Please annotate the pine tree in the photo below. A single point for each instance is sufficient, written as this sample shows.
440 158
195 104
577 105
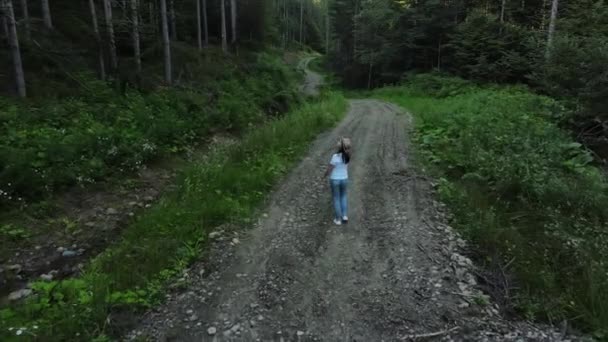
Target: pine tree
13 39
166 42
95 25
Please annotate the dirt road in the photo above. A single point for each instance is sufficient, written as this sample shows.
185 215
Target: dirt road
394 272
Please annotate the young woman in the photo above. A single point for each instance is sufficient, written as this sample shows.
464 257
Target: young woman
338 179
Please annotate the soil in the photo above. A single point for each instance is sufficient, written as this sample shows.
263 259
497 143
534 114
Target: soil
397 271
84 222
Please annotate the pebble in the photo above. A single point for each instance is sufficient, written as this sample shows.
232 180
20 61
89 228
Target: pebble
212 331
300 333
68 253
46 277
111 211
16 268
19 294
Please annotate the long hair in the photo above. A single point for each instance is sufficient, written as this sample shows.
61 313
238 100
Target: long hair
344 148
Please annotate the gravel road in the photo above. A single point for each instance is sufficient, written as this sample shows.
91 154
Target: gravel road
395 272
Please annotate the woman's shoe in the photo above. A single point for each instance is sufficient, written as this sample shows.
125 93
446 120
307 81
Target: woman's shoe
345 219
337 222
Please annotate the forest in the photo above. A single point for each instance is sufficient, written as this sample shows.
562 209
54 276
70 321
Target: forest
510 100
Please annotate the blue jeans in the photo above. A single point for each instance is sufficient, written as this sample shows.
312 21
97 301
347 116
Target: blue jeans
338 190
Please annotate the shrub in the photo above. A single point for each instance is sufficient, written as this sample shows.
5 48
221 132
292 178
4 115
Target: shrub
522 190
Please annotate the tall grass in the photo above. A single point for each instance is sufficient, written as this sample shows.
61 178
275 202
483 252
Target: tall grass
227 187
521 189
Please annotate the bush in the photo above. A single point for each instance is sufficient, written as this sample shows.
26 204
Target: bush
522 190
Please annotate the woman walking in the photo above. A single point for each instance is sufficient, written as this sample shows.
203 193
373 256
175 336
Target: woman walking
338 179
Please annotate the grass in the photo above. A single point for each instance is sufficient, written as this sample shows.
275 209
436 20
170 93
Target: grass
521 189
228 187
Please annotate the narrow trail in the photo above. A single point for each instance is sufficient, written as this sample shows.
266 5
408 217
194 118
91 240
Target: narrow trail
394 272
312 80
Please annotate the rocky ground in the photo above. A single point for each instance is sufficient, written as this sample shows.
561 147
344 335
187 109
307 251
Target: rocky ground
396 272
82 223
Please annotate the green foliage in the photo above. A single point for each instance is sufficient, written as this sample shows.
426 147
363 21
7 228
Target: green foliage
484 49
521 189
577 72
161 243
53 144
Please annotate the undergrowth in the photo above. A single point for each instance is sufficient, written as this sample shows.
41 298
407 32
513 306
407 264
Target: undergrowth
50 144
521 189
227 187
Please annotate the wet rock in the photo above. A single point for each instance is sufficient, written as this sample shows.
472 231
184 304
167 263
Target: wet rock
19 294
68 253
16 268
47 277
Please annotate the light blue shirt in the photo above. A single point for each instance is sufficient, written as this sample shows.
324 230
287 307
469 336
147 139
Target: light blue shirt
340 171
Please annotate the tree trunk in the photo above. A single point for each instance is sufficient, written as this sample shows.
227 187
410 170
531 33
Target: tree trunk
285 24
502 11
233 19
223 14
4 22
301 20
46 14
439 55
13 42
102 66
543 22
107 7
26 19
369 76
166 41
136 47
199 33
151 15
173 20
206 28
327 28
551 28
